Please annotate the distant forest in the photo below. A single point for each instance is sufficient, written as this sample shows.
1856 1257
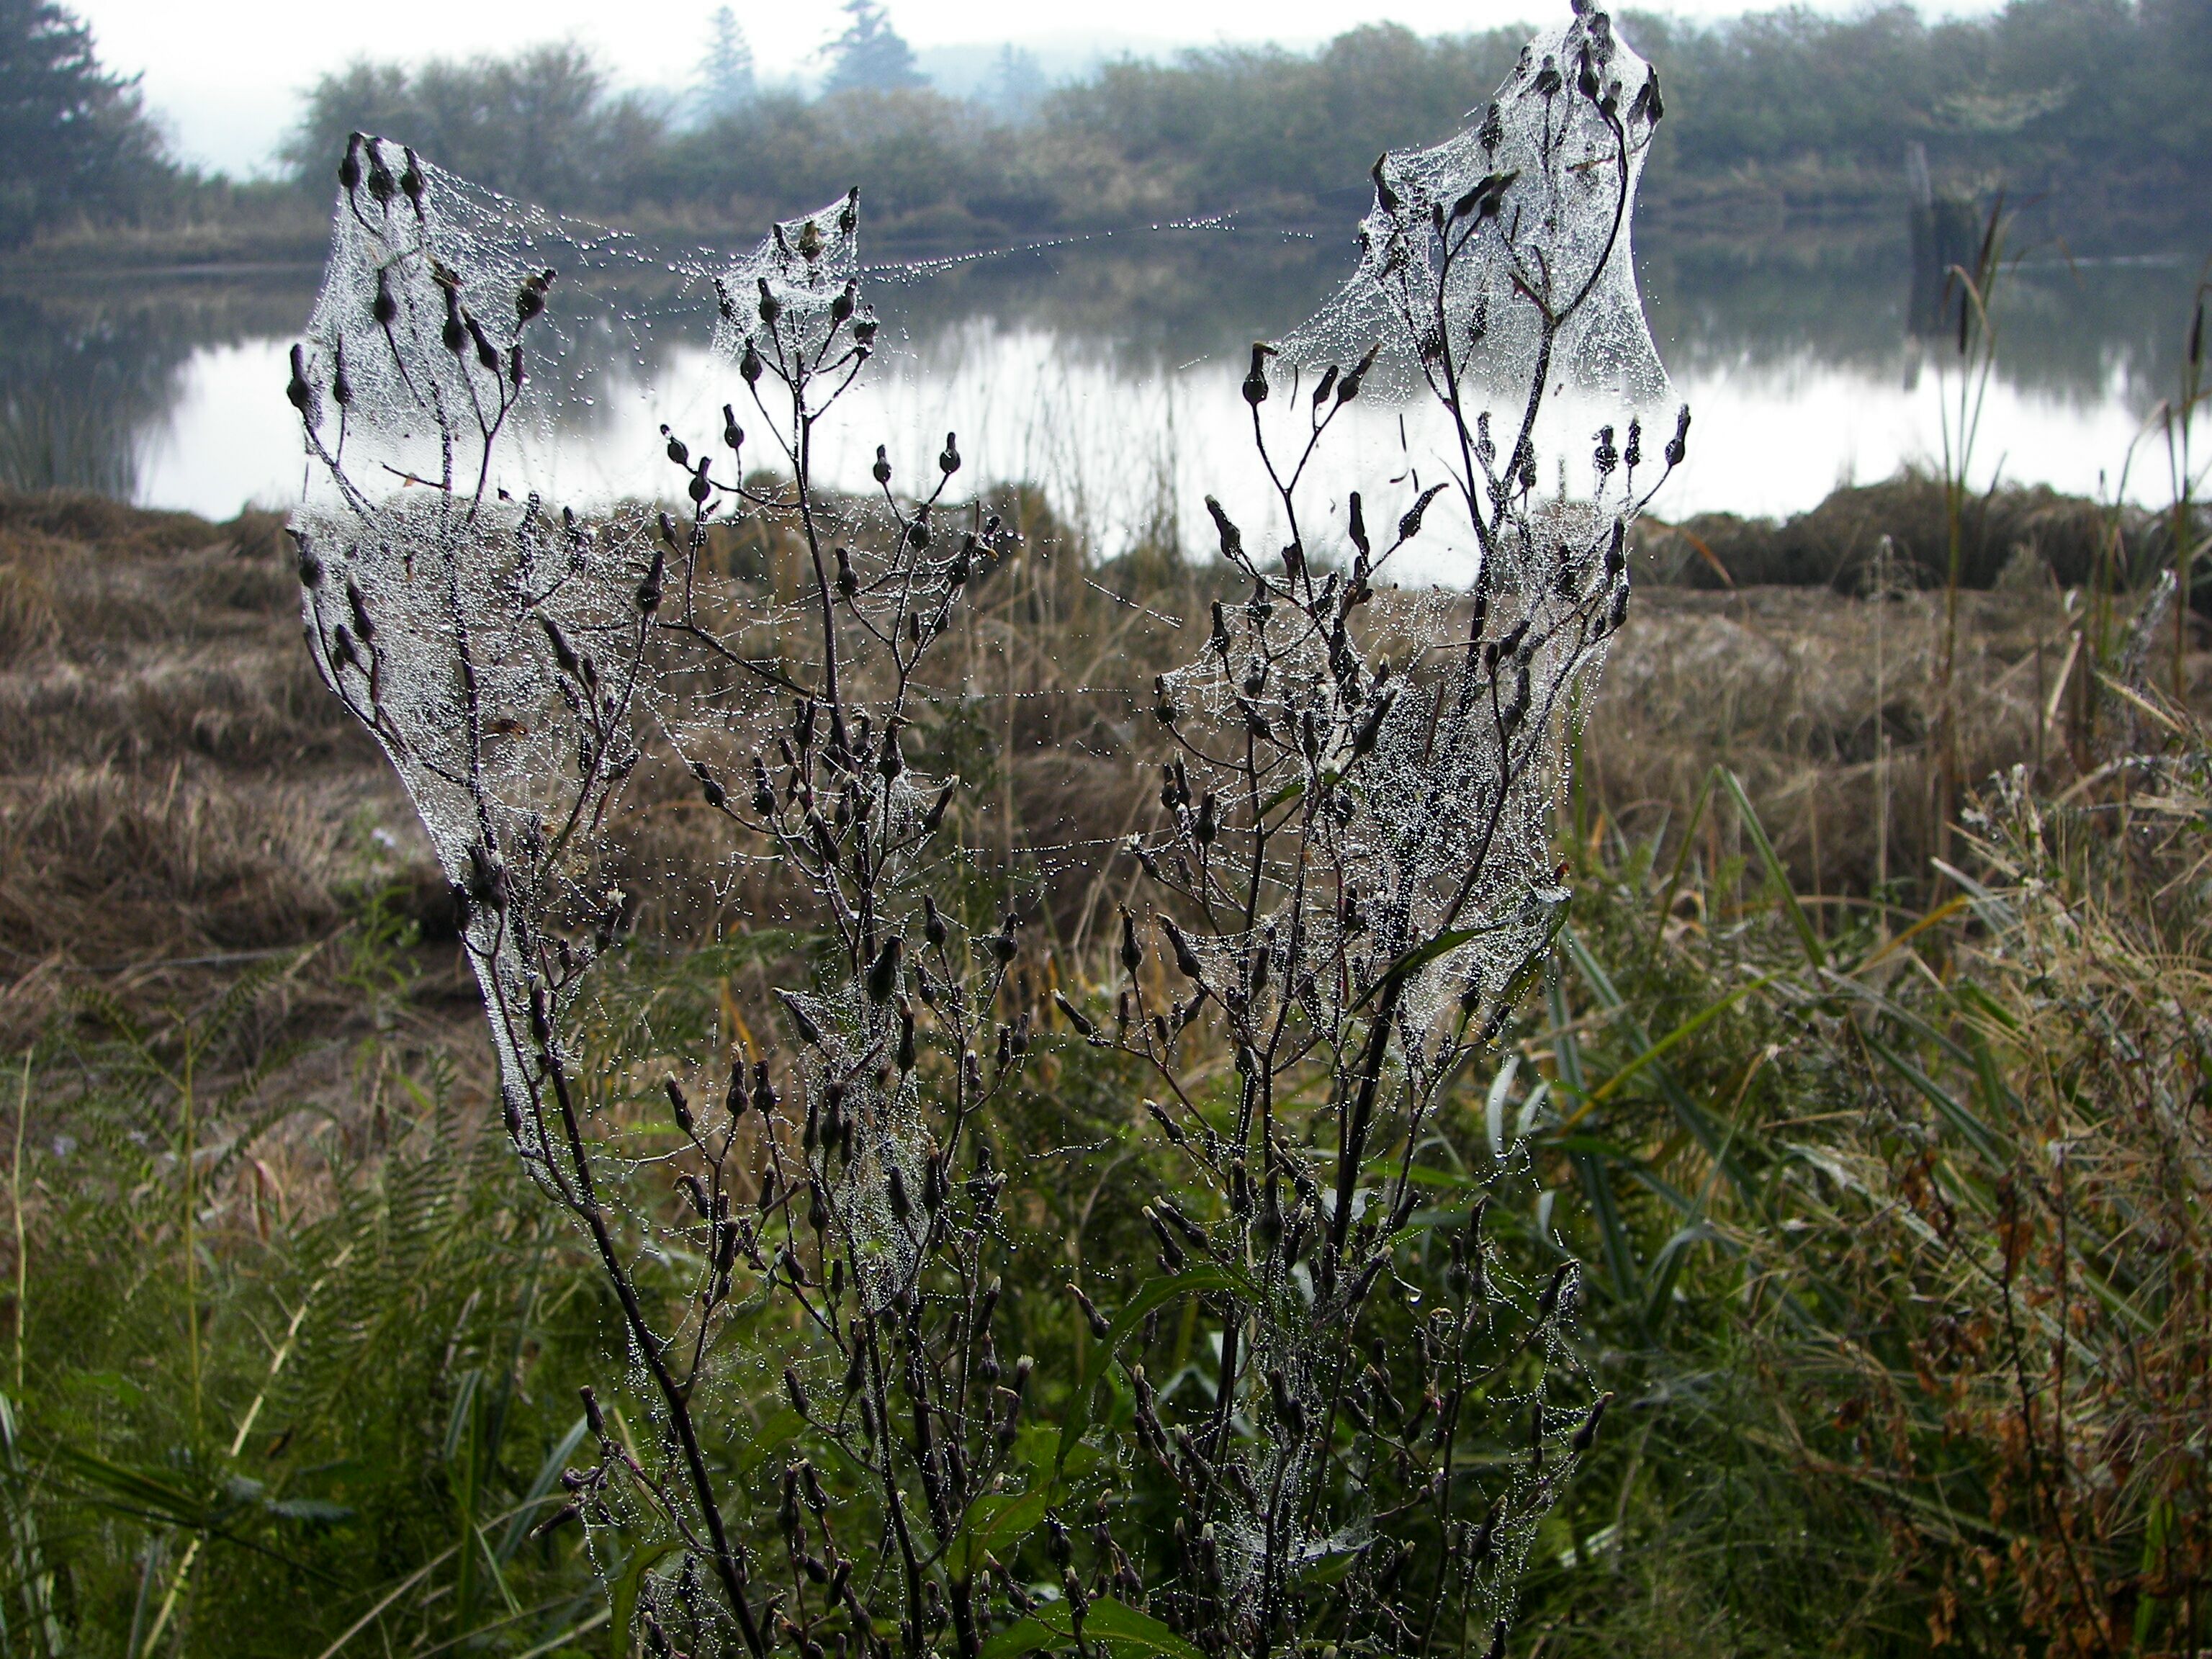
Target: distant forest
2093 116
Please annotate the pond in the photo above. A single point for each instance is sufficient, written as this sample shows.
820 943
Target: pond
1105 371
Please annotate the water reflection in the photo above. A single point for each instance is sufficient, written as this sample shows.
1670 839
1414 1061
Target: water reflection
77 392
2079 329
1106 369
90 376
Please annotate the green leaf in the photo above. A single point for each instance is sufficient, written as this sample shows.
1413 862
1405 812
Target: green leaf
1692 1116
626 1589
1115 1623
1421 956
1651 1052
1977 1133
777 1430
139 1491
309 1509
1208 1276
1776 871
1422 1176
549 1472
1666 1267
1613 1229
995 1522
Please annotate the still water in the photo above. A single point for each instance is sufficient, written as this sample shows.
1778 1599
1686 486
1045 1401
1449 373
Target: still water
1107 372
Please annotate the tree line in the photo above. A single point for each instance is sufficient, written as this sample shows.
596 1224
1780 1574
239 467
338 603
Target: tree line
2088 114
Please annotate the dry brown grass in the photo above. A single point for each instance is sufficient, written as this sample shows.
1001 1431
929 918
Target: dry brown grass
175 785
177 791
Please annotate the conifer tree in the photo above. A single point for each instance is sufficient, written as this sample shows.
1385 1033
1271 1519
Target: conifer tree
870 54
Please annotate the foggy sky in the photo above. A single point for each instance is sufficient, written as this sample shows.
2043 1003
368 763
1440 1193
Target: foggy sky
226 76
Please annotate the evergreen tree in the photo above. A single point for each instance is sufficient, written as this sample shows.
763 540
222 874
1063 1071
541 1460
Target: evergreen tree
75 138
1017 83
871 53
725 78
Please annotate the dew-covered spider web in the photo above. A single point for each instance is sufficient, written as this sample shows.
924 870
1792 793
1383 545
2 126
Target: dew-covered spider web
707 671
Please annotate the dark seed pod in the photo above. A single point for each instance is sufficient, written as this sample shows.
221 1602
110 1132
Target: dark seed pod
809 1032
895 1184
1548 1303
884 973
300 391
1091 1316
1075 1016
1233 539
1410 525
1255 378
382 185
935 816
697 1194
1186 962
1172 1257
1585 1436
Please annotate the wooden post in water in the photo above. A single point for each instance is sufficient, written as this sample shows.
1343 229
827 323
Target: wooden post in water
1945 229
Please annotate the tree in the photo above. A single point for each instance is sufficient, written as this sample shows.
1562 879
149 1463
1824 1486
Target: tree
1017 83
870 54
725 78
543 124
76 139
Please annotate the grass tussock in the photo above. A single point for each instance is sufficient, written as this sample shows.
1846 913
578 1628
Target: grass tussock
1897 533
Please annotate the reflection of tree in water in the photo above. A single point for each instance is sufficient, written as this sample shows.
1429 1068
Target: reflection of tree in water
87 378
1147 301
2080 331
1143 300
76 393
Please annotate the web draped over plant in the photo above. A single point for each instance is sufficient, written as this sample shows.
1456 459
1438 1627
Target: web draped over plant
1355 860
1350 893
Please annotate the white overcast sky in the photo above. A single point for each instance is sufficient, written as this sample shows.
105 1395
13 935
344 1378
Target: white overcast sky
226 76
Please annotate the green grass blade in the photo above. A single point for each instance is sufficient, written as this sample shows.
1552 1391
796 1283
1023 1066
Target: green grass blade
1776 871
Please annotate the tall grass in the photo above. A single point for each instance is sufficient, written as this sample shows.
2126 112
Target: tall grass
278 1367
